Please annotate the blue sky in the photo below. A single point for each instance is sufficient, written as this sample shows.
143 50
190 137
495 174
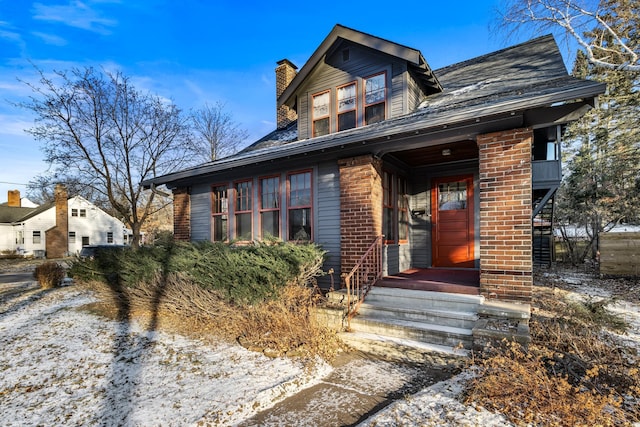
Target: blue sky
205 51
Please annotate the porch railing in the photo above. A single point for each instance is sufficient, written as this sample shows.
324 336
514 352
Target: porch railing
362 278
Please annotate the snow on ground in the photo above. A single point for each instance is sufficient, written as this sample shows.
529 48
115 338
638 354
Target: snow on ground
437 405
60 365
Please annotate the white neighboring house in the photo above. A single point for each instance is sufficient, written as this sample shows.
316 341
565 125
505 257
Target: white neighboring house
23 229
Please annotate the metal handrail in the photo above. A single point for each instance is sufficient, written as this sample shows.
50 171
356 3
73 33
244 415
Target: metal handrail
362 278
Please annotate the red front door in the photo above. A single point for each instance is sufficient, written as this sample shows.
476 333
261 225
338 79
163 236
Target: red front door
452 221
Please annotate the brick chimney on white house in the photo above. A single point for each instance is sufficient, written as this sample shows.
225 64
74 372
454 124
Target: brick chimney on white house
57 237
13 199
285 72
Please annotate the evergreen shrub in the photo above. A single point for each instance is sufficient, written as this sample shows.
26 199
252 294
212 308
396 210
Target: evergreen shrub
243 274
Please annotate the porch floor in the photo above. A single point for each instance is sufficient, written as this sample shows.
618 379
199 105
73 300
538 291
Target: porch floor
456 281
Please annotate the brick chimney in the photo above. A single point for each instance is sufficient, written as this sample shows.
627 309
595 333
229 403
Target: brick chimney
57 236
285 72
13 199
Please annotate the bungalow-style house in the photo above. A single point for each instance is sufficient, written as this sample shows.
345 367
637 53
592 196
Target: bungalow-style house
444 169
56 229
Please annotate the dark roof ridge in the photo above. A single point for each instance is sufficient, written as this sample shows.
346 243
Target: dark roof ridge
494 53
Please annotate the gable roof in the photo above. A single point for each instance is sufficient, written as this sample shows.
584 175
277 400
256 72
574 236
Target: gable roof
503 84
13 214
339 33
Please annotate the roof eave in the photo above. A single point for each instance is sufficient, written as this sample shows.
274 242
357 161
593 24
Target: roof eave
413 56
387 129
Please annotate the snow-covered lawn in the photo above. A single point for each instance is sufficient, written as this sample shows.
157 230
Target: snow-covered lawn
62 366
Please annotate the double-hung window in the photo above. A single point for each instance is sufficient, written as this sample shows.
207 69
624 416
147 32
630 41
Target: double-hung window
109 236
243 210
346 106
83 213
321 111
220 213
72 237
74 212
270 207
299 206
37 239
375 96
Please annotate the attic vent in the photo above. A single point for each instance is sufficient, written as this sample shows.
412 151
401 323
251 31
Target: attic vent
345 55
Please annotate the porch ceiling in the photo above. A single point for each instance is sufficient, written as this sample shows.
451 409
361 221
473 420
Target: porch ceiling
458 151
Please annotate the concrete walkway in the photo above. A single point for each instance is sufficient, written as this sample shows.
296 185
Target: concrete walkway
358 387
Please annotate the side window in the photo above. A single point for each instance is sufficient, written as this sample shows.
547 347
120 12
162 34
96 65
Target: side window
299 206
72 237
270 207
320 112
403 210
387 208
109 236
37 239
346 106
243 210
219 213
375 96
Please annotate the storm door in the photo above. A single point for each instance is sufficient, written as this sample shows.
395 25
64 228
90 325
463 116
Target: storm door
452 222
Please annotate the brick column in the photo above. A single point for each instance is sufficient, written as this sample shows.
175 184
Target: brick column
181 214
506 264
360 207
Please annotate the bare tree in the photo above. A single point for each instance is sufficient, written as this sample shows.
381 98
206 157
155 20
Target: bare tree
616 21
100 132
217 134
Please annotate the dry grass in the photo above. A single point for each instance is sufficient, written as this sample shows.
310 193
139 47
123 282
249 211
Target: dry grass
49 275
280 327
573 373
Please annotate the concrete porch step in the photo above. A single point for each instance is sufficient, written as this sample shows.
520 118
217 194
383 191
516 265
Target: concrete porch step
442 335
421 300
402 349
458 319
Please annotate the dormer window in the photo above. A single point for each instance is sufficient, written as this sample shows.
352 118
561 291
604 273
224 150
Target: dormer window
375 96
321 116
346 106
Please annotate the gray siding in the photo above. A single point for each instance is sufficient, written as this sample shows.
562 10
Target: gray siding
328 217
420 231
395 258
201 212
333 72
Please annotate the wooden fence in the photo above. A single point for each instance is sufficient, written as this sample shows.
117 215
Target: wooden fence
620 254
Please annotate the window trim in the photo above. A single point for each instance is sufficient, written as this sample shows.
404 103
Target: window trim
400 194
236 211
278 209
216 214
310 206
364 96
389 193
355 107
314 119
